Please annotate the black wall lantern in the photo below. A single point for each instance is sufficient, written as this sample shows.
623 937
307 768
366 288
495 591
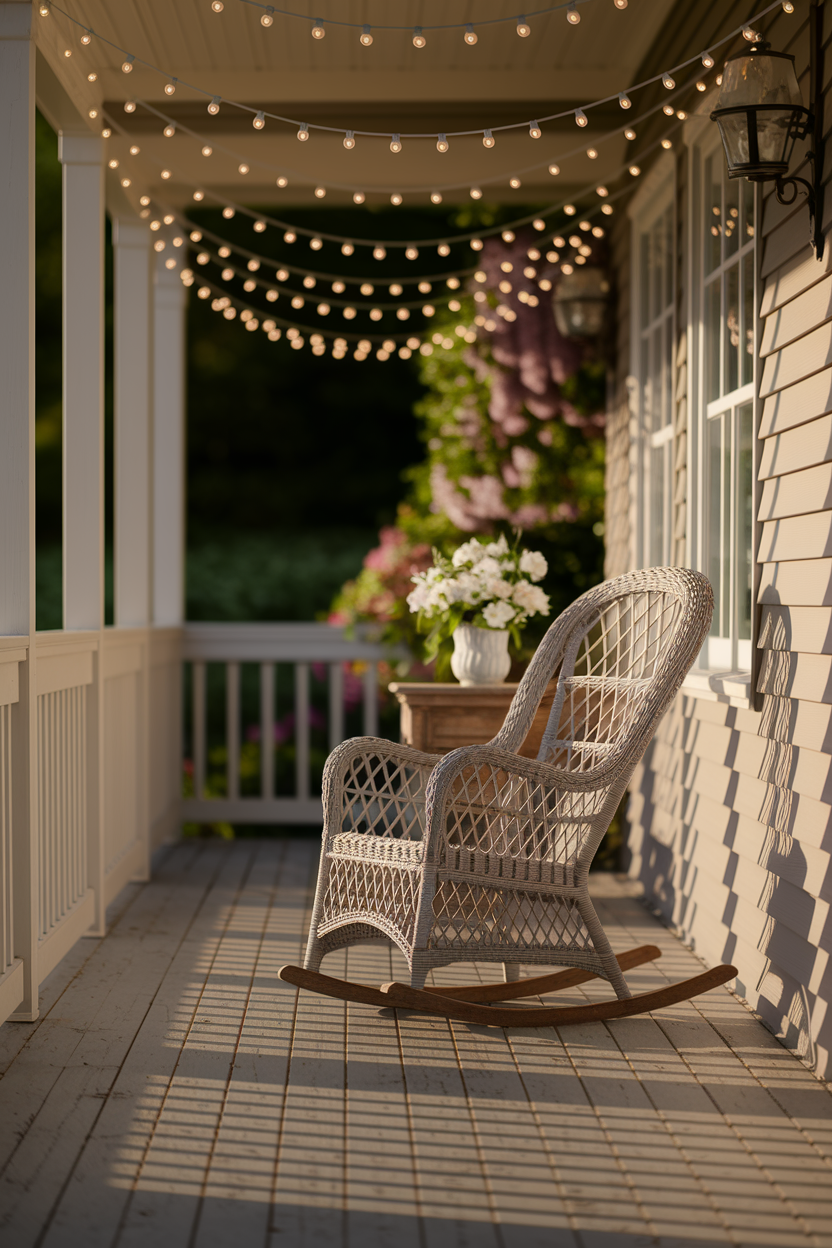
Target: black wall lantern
761 115
580 303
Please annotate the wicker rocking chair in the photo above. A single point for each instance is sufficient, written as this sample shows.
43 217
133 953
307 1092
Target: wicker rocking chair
483 855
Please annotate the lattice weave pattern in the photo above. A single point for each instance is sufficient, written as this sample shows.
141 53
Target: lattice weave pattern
484 854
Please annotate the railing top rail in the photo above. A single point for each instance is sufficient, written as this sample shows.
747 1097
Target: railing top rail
279 643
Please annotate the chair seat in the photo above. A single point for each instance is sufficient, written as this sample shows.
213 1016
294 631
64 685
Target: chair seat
364 847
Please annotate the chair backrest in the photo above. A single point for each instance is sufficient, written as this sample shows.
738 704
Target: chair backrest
621 652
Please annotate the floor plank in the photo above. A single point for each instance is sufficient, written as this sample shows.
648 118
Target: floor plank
176 1094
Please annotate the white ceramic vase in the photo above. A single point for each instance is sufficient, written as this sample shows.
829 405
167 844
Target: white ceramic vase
480 655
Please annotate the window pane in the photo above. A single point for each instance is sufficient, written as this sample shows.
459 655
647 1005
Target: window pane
747 340
657 506
713 212
712 337
747 211
732 216
732 329
718 541
745 468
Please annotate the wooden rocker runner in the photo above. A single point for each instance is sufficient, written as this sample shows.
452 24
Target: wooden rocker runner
484 855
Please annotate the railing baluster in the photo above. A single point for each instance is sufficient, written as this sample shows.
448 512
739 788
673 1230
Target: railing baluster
302 730
336 704
371 700
198 716
267 730
232 727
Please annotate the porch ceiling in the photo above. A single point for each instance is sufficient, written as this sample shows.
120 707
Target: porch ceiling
388 87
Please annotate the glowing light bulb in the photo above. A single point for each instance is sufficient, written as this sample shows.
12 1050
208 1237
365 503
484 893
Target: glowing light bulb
523 28
358 197
515 184
508 236
86 38
379 253
629 133
349 140
113 164
282 182
93 113
395 143
470 35
476 244
707 60
681 114
243 168
365 38
475 192
316 243
607 210
320 192
435 197
412 253
135 149
620 4
43 8
701 86
570 210
144 201
395 199
443 249
125 182
788 7
290 237
592 153
668 82
624 100
214 106
572 15
635 170
217 6
169 131
207 150
347 249
127 66
199 196
581 118
539 224
749 34
666 144
129 106
668 110
106 132
303 132
259 121
395 289
534 130
318 31
170 87
267 19
419 39
442 144
92 77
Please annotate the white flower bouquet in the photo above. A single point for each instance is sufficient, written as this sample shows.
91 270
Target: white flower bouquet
489 585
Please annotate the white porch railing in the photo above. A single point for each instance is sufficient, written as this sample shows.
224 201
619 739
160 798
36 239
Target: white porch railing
310 650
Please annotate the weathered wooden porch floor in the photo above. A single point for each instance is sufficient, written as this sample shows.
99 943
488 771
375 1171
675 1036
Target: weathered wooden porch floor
175 1094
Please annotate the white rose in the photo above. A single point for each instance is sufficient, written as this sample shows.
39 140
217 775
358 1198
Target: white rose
531 598
495 587
468 552
498 614
417 598
533 564
500 547
488 566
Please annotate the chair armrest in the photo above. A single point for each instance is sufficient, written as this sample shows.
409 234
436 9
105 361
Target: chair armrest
343 770
472 806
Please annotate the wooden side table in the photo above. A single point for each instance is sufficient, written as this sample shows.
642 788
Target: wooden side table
437 717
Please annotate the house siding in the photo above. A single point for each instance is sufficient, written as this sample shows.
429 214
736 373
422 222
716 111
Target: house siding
729 814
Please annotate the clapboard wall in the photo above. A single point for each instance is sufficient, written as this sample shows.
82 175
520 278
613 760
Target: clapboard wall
729 815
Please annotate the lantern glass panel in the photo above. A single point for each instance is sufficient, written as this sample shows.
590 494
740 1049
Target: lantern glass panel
759 78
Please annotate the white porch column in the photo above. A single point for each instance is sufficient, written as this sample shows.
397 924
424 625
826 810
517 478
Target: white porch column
82 156
19 986
133 382
168 447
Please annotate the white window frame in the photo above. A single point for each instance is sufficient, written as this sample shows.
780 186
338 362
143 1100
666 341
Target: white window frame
724 668
655 196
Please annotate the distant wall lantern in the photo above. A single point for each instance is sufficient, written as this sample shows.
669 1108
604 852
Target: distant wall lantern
580 303
760 114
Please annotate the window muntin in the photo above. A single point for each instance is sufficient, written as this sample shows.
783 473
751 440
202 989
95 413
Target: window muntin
655 322
727 435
